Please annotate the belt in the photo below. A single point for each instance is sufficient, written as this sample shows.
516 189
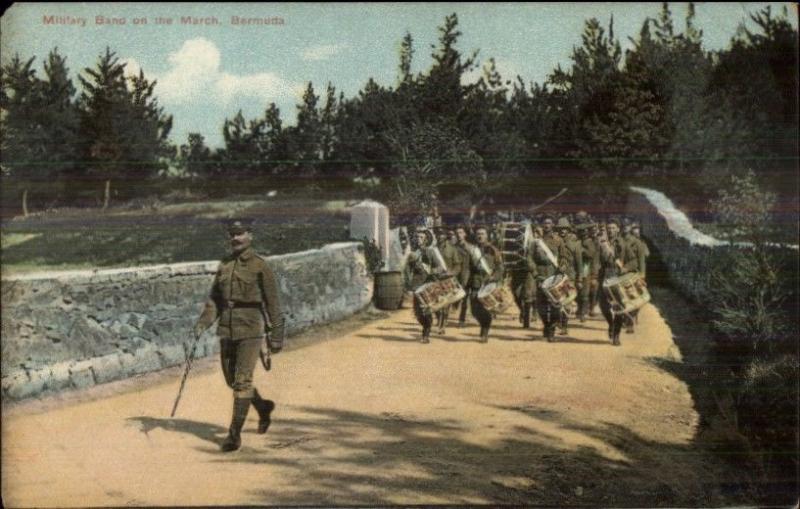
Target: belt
230 304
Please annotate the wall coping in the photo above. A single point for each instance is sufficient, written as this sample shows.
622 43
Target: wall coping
681 226
183 268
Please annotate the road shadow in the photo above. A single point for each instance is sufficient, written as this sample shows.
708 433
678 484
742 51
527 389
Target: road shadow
380 459
202 430
410 338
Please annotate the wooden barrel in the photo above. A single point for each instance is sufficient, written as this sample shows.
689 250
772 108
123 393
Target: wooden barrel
389 290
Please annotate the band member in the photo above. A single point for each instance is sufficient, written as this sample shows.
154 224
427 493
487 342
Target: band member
548 262
244 297
464 246
613 251
454 263
589 270
422 267
523 286
635 263
485 268
594 280
572 263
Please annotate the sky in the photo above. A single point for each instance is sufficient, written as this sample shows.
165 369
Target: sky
208 71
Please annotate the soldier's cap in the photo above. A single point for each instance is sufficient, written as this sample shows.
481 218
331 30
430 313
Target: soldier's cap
635 225
547 216
239 226
563 223
613 220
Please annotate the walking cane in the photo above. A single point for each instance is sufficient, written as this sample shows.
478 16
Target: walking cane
189 360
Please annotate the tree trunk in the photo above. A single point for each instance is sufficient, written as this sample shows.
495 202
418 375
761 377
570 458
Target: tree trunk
25 203
107 194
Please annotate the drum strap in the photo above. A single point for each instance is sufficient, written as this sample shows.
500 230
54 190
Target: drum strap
549 254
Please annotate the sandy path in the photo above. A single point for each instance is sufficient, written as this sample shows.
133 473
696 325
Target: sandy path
375 417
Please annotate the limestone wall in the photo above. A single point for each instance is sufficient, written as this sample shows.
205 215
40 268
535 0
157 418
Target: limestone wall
687 253
74 329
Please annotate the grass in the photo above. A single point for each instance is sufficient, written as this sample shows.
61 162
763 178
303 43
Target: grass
174 233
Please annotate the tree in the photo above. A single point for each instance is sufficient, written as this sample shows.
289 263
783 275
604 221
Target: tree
195 156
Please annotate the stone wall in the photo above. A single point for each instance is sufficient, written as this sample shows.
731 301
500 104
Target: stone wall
74 329
688 254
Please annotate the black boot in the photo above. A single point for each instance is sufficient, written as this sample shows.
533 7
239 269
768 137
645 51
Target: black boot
426 336
484 334
526 318
264 407
615 340
234 439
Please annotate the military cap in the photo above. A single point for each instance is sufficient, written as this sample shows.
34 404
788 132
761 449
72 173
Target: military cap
546 216
238 226
563 223
613 220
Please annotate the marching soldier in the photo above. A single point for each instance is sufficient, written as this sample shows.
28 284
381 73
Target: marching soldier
635 263
244 297
421 268
523 285
589 270
594 234
464 247
613 253
491 259
572 262
454 263
548 263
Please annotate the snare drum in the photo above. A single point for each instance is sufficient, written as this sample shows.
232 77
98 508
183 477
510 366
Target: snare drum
626 293
495 298
559 289
515 240
436 295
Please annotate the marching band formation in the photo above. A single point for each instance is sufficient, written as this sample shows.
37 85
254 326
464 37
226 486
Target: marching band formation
561 269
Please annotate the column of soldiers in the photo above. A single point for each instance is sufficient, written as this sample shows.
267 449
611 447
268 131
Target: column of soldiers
244 294
574 248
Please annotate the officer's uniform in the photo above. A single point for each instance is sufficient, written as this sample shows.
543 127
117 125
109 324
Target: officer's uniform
478 279
244 297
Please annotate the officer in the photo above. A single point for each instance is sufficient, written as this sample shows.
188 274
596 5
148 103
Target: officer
491 260
244 297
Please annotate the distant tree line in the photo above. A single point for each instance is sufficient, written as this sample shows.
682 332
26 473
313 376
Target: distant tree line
665 109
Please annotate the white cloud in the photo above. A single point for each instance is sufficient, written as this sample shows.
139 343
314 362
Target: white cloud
132 67
322 52
195 74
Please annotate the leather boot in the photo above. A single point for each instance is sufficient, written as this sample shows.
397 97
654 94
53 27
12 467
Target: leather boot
615 340
234 439
426 336
526 318
484 334
264 407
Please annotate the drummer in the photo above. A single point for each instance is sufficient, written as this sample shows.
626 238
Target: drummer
422 267
547 266
613 253
455 267
492 261
463 246
572 262
523 286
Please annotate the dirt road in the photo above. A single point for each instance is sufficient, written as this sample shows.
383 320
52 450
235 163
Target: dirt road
375 417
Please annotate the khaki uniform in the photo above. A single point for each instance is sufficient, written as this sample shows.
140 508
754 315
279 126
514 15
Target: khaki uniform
610 268
549 314
244 297
478 279
523 285
416 276
590 270
464 278
455 266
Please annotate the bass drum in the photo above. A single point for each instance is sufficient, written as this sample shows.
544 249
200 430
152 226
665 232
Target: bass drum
515 241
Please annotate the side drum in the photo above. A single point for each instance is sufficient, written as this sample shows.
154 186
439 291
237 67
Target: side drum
495 298
560 290
436 295
388 294
627 292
